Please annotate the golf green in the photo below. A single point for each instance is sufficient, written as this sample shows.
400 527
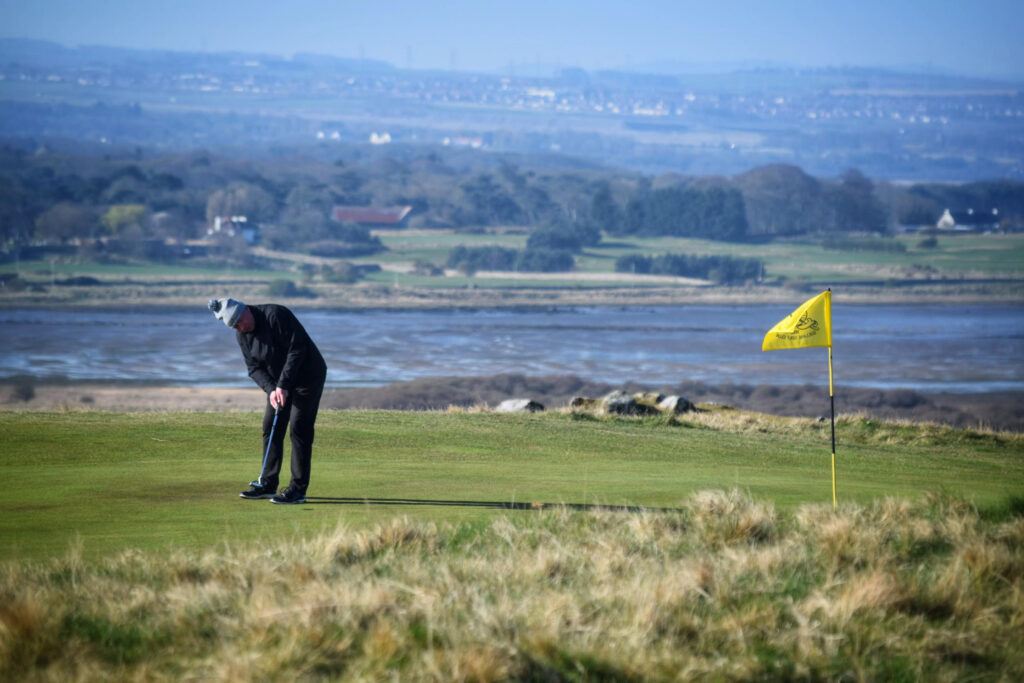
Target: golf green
161 481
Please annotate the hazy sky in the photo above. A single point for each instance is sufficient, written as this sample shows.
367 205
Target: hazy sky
976 37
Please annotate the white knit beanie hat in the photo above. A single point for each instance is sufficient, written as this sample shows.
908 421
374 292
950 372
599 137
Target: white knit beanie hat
228 310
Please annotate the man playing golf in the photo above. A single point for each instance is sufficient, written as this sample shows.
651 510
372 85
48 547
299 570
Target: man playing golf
286 364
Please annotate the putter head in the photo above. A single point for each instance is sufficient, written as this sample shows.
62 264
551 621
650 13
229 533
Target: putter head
255 483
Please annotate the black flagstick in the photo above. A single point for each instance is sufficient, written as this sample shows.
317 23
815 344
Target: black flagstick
832 399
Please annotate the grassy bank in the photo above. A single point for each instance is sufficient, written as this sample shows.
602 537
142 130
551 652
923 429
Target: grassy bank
999 411
726 588
165 481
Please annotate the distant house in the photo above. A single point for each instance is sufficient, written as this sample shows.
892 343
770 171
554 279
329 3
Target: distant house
946 222
372 216
235 225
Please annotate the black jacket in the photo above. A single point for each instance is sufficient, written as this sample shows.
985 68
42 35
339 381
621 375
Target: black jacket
279 353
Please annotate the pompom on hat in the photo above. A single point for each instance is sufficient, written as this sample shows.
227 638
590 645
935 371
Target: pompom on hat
228 310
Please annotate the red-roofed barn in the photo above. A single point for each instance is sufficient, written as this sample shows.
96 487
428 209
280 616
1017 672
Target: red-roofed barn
371 216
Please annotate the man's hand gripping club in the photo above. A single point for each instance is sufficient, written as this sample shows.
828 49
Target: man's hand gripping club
277 398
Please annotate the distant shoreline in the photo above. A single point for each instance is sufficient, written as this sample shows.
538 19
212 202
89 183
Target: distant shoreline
386 297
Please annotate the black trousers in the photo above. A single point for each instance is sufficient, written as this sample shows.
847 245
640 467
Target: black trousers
297 417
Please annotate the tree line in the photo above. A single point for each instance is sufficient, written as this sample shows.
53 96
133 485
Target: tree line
718 269
55 198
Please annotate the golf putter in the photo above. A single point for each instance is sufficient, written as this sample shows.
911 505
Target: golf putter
270 441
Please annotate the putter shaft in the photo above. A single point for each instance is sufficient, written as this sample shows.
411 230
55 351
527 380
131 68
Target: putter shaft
270 441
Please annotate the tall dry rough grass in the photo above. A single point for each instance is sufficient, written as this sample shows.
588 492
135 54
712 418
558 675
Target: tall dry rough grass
726 588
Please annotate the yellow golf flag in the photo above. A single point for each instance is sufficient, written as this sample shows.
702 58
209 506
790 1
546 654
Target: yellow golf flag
809 325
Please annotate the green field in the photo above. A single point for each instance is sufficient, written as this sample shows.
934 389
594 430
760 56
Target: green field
433 246
42 271
960 267
995 255
165 481
979 255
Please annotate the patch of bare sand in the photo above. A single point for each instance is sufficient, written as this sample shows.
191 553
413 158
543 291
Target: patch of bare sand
378 295
585 277
84 397
628 278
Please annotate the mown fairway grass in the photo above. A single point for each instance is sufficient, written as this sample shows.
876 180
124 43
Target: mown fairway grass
168 481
